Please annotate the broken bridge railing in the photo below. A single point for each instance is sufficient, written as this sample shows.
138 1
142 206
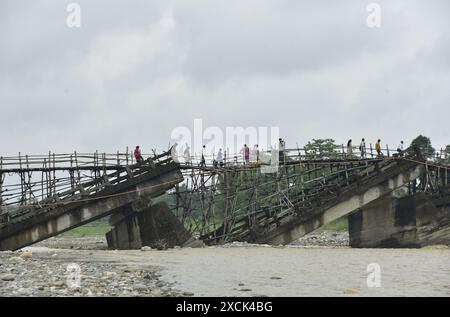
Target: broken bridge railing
38 183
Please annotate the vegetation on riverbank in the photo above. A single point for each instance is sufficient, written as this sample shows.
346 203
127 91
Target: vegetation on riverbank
95 228
101 227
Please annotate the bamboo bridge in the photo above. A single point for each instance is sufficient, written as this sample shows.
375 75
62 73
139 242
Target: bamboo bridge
44 195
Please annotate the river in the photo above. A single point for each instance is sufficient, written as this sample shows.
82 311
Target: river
246 270
295 271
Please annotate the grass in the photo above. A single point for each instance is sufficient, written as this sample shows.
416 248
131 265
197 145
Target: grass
95 228
338 225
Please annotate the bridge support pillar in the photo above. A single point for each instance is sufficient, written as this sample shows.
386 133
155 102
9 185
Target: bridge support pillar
152 225
125 234
390 222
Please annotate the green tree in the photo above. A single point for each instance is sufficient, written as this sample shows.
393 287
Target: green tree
320 148
424 144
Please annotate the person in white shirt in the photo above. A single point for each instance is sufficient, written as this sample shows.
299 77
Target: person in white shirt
203 161
400 148
187 154
362 148
349 147
219 158
174 153
256 153
282 148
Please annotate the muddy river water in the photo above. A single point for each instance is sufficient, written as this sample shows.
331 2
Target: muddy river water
290 271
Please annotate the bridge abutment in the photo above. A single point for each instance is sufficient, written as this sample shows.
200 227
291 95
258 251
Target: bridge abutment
390 222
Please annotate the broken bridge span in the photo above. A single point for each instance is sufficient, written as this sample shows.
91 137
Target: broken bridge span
42 196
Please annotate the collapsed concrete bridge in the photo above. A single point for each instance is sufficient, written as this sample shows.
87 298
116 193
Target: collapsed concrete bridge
84 200
305 193
236 201
347 187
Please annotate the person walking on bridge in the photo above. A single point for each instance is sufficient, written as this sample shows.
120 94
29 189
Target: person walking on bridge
187 155
246 152
174 153
137 154
282 148
362 148
256 153
378 148
203 160
400 149
349 148
219 158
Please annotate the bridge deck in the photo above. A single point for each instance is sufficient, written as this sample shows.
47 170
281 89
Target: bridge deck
309 201
87 201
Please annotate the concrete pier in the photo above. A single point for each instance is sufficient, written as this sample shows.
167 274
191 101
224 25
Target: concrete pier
154 226
412 221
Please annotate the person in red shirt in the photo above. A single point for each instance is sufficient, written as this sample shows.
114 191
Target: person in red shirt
137 154
246 151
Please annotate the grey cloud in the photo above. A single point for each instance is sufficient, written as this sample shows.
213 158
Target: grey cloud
133 72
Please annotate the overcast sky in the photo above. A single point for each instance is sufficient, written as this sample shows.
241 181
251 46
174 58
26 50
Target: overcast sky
135 70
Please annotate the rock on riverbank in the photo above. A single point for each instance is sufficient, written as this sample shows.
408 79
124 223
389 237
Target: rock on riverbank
46 274
324 239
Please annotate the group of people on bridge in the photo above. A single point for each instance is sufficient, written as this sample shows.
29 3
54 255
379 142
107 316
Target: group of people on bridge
363 148
253 156
249 156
